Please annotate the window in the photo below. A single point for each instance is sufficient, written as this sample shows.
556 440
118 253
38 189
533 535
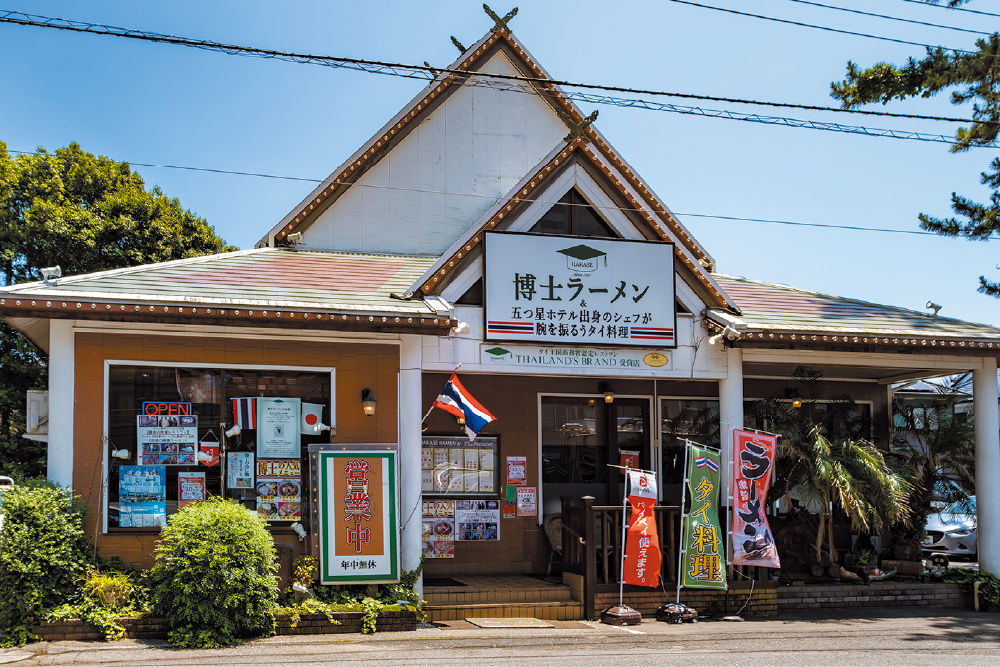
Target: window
683 419
574 440
573 216
146 487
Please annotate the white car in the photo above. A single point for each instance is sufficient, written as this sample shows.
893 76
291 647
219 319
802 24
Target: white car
953 531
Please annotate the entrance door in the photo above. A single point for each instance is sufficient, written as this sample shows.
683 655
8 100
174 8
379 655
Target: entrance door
580 436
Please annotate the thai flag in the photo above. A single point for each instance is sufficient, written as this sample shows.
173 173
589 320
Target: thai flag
653 333
705 462
457 400
245 412
510 327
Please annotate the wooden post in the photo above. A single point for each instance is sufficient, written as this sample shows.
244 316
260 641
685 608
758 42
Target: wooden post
590 558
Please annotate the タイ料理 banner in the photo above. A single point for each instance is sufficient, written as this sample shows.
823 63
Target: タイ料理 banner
702 564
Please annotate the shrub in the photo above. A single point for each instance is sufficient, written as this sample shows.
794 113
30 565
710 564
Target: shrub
214 575
43 554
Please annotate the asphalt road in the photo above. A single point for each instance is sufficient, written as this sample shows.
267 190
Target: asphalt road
887 638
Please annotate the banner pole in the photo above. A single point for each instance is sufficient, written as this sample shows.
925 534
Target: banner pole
683 550
621 570
730 544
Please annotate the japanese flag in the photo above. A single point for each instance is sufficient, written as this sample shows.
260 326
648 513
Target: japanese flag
312 414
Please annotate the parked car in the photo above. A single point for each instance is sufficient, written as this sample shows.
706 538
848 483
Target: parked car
952 531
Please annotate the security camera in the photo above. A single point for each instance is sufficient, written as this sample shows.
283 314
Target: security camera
460 329
51 272
294 237
234 431
933 306
729 333
120 454
203 457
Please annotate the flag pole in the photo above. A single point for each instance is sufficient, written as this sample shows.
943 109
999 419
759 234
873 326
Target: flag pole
683 549
621 569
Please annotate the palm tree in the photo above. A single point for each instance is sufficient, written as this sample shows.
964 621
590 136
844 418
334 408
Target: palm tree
851 474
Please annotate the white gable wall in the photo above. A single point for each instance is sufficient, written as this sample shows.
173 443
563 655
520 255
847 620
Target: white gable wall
478 142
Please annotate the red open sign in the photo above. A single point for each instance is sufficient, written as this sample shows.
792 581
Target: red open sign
170 408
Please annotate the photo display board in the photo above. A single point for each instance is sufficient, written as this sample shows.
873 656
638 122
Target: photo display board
358 515
568 290
453 466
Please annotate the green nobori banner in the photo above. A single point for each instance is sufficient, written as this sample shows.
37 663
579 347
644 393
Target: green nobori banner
702 559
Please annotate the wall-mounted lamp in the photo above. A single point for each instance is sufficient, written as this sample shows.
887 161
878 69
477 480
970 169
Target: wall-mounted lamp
51 273
609 396
120 454
368 401
460 329
300 531
424 427
319 427
729 333
234 431
933 306
794 395
460 420
203 457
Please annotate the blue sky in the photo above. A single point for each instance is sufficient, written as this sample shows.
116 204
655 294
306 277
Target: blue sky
163 104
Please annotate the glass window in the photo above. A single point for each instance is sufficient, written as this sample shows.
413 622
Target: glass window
574 440
686 419
146 487
574 216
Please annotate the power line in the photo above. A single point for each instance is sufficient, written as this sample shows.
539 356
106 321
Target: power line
327 181
525 85
891 18
425 72
954 9
821 27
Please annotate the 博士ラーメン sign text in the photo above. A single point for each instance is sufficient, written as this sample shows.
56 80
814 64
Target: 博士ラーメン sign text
559 289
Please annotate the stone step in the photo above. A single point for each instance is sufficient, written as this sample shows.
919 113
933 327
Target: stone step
547 611
453 595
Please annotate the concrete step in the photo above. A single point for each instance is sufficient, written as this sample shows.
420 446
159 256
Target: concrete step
544 610
453 595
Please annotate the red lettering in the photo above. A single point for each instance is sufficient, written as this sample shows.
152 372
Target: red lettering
157 409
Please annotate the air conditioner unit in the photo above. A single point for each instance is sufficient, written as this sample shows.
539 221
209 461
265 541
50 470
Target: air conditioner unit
38 412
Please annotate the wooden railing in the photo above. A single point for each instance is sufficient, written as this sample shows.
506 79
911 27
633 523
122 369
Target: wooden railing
592 545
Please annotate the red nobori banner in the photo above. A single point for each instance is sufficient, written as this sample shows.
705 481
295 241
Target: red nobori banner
753 459
642 548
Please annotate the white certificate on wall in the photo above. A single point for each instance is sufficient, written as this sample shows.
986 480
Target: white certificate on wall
278 428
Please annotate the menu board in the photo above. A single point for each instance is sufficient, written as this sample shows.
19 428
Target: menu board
438 535
167 440
239 470
142 496
454 466
477 520
279 489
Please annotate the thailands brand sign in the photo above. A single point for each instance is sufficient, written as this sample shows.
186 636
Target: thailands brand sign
577 291
753 460
642 547
594 360
359 527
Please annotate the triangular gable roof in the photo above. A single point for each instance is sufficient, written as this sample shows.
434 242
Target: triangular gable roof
533 182
379 145
779 314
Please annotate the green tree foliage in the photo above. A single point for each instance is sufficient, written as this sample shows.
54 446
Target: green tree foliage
972 76
43 554
85 213
214 575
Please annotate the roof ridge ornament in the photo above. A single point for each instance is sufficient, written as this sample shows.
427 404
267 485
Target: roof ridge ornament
458 44
576 130
501 23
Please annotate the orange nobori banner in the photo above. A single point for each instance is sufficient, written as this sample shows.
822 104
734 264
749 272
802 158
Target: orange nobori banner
753 461
359 528
642 547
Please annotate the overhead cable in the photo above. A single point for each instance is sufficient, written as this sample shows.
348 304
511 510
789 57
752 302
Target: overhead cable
954 9
527 200
890 18
822 27
429 73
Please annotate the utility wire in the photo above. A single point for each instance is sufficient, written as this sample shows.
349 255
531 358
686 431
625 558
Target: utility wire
822 27
954 9
426 72
527 85
328 181
891 18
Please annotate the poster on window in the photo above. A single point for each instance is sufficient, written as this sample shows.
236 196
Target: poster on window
455 466
239 470
438 534
278 427
170 440
527 501
753 459
359 526
190 488
279 489
572 291
477 520
142 495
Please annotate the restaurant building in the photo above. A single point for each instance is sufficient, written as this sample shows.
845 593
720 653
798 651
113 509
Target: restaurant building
488 226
